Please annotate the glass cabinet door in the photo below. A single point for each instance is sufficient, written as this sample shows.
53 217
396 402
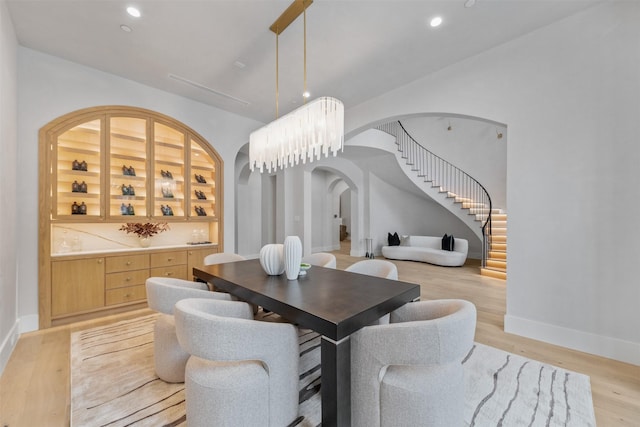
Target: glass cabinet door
168 172
77 172
203 182
127 167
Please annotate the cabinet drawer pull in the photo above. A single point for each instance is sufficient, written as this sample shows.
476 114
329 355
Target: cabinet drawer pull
128 279
169 259
127 295
128 262
100 261
169 274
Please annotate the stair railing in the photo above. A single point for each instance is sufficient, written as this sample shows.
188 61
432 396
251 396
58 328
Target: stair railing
447 177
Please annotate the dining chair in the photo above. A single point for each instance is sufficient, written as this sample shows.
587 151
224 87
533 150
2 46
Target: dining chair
321 259
378 268
375 267
162 295
244 374
222 257
409 372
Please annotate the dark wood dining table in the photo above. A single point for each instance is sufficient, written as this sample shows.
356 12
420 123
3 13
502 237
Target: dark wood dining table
334 303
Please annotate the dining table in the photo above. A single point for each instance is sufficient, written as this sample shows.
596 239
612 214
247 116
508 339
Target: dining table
334 303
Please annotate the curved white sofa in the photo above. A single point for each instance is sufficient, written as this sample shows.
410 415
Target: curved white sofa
428 249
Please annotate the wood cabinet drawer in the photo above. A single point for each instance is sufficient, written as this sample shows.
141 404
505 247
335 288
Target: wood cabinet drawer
126 278
168 258
176 271
127 263
122 295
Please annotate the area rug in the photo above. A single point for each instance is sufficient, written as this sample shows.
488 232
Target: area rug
113 384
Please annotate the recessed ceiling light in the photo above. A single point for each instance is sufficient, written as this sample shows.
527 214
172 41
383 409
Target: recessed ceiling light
469 3
133 12
125 28
436 21
306 94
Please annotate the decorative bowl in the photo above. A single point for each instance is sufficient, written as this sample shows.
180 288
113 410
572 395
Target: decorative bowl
303 268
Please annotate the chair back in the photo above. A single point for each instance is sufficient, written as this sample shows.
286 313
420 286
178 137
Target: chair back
221 258
224 331
423 348
321 259
375 267
164 292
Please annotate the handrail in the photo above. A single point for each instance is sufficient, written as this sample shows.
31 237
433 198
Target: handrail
446 177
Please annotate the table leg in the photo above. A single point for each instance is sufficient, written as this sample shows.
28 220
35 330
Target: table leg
336 382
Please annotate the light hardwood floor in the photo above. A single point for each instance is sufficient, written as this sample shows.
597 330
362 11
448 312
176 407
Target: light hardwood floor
34 388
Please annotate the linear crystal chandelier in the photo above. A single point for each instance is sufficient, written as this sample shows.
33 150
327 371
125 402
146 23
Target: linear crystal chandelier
310 131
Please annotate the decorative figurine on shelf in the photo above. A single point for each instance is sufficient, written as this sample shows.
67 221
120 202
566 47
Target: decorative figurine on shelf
83 187
123 209
200 211
130 210
79 166
82 209
75 187
125 190
200 195
200 179
166 210
75 209
166 192
132 191
128 171
166 174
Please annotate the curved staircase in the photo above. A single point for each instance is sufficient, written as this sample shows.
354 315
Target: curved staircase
448 182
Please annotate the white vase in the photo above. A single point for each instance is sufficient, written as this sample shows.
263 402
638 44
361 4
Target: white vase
145 242
272 259
292 256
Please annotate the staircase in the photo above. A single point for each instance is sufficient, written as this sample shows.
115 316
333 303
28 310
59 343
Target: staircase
468 194
496 263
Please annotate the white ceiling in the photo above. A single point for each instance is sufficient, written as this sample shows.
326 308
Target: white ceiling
356 49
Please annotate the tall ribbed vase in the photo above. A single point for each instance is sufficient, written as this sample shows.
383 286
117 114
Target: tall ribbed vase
292 256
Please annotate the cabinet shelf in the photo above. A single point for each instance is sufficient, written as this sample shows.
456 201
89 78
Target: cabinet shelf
81 174
75 150
78 195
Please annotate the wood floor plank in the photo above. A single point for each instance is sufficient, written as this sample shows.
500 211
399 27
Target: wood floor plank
34 387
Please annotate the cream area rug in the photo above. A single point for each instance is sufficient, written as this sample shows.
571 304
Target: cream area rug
113 384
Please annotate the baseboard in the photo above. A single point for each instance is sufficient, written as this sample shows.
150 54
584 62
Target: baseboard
8 345
612 348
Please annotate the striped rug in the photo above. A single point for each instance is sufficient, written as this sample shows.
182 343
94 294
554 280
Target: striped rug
113 384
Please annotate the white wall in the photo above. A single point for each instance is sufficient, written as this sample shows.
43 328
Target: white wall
570 96
49 87
9 325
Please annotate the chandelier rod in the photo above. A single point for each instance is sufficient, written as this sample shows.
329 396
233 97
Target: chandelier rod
305 95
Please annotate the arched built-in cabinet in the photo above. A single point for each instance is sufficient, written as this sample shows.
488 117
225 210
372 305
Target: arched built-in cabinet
103 167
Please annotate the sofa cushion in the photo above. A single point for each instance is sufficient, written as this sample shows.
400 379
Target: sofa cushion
393 239
448 243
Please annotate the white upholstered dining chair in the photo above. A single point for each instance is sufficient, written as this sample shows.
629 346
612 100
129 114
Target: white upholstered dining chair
378 268
321 259
375 267
244 374
409 372
162 295
222 257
